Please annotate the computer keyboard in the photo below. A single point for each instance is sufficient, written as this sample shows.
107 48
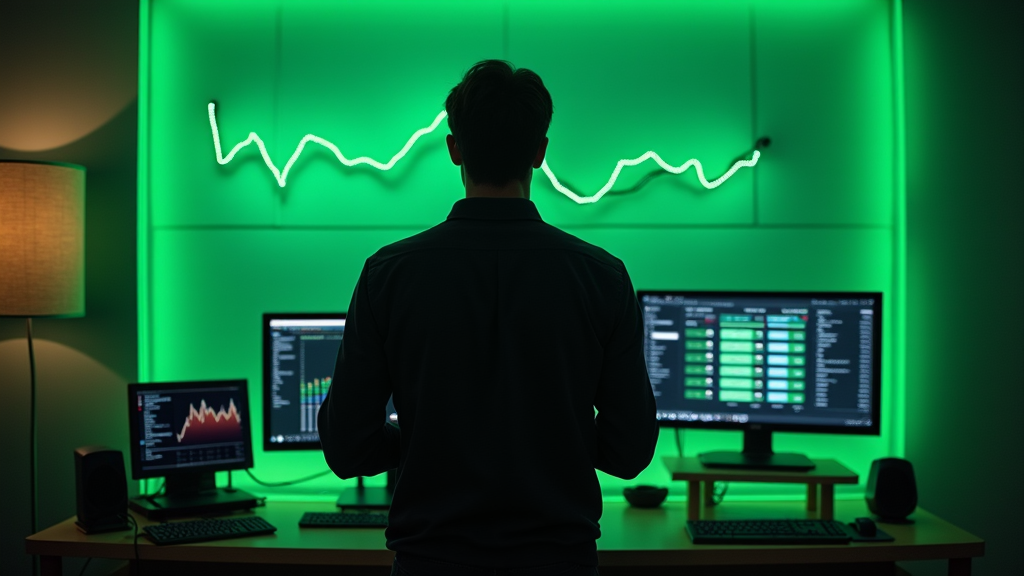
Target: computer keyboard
209 529
767 532
343 520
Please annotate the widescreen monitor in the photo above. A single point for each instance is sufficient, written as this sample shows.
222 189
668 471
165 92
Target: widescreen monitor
762 362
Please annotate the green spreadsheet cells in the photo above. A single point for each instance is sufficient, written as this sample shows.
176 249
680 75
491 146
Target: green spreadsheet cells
694 369
786 335
696 382
741 371
785 347
784 360
751 324
700 344
739 396
700 357
785 398
741 346
787 322
786 385
748 359
740 334
785 372
700 333
693 394
741 384
740 318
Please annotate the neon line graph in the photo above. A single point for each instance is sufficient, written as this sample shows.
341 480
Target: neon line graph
281 175
651 155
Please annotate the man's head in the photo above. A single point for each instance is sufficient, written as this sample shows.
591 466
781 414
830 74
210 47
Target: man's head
498 117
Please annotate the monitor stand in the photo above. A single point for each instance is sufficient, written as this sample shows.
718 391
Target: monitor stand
368 496
757 455
192 494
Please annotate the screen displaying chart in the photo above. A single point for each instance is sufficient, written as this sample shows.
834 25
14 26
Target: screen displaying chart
796 359
299 355
188 425
206 424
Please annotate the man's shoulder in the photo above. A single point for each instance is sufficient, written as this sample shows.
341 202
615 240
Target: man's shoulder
556 238
533 235
417 242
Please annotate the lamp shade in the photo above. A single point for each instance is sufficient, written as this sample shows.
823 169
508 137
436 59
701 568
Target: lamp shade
42 239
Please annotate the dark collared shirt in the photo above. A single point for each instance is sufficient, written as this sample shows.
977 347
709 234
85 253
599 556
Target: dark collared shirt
499 336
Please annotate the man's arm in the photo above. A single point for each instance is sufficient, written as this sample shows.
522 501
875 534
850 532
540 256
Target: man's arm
627 430
354 434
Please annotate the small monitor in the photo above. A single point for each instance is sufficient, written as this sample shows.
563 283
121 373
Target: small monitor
185 432
200 426
765 361
299 353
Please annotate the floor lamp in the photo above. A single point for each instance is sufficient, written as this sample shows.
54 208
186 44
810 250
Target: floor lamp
42 257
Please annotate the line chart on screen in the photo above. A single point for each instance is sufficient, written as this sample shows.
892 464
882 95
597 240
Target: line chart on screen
207 424
748 160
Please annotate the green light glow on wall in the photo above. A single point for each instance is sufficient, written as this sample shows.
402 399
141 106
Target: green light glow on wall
143 228
899 230
220 244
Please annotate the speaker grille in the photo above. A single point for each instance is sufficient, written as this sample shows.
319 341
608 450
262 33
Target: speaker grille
105 486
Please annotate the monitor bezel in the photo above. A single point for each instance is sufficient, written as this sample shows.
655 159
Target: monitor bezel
876 385
137 467
269 446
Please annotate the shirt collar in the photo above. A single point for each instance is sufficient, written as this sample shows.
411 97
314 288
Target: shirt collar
494 209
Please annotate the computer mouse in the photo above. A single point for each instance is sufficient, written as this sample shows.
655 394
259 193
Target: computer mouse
644 496
865 527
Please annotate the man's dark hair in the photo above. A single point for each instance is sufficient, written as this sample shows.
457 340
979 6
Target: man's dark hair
498 115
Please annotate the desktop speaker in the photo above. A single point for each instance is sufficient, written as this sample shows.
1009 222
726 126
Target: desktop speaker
892 491
101 490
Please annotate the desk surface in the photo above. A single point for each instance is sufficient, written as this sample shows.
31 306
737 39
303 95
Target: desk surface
630 537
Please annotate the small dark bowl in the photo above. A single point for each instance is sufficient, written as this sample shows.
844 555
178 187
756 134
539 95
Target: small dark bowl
643 496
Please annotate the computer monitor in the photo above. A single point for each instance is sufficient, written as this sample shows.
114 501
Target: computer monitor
299 354
185 432
762 362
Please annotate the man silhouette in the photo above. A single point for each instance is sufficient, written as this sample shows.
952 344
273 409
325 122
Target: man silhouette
499 337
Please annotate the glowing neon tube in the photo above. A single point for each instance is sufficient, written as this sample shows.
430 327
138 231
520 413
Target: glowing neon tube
282 175
650 155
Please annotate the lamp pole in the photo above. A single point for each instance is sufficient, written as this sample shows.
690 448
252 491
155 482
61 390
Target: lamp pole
32 428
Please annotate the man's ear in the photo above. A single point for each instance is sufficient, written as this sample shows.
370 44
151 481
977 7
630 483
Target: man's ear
453 150
541 150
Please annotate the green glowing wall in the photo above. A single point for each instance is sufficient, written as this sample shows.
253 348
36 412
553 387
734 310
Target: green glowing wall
219 245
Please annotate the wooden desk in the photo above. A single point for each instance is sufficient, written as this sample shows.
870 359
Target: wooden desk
633 541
